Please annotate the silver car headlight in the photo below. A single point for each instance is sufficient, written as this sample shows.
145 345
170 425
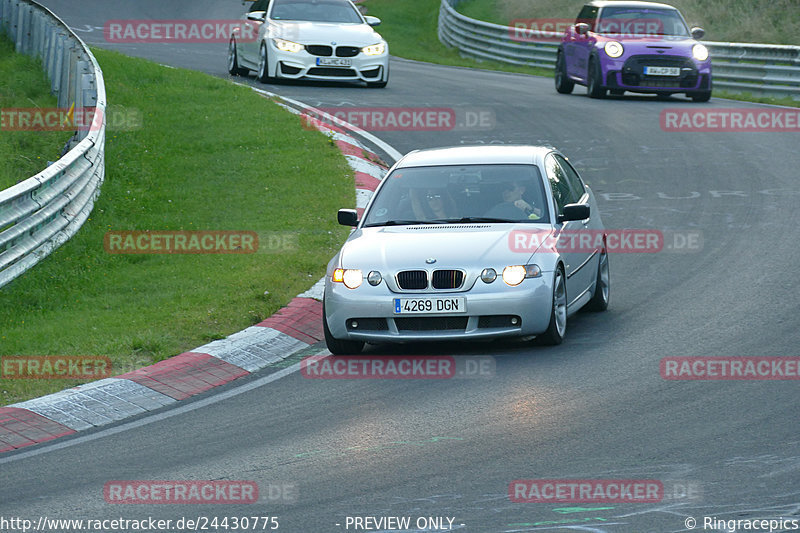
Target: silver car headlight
287 46
374 50
351 277
700 52
614 49
514 274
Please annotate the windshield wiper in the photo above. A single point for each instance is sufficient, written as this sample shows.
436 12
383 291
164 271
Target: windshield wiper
476 219
399 223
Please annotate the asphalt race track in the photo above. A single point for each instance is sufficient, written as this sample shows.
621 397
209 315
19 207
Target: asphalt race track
595 407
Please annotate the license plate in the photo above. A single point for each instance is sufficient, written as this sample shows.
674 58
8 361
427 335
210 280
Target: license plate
408 306
662 71
334 62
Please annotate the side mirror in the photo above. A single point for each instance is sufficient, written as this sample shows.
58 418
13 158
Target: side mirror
259 16
698 33
347 217
372 21
582 28
574 212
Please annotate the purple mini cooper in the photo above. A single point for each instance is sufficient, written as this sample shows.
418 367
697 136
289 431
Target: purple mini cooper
641 47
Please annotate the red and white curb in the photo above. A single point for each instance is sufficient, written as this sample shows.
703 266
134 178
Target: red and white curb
292 329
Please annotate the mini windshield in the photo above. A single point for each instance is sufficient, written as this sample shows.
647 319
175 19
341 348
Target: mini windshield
643 22
459 194
338 11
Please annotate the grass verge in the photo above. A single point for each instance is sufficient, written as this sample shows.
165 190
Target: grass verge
23 84
411 29
210 156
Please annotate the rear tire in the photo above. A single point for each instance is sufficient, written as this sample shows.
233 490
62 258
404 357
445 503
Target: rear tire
564 85
233 61
557 329
337 346
594 86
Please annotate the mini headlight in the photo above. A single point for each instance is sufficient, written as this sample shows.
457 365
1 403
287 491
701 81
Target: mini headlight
513 275
700 52
287 46
352 278
488 275
532 271
374 278
614 49
375 49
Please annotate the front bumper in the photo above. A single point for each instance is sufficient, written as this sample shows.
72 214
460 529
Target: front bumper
296 65
628 74
491 311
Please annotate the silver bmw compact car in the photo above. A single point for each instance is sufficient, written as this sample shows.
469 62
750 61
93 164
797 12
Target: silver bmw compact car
464 243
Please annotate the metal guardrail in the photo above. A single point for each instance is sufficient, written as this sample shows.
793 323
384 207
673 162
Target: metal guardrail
42 212
759 69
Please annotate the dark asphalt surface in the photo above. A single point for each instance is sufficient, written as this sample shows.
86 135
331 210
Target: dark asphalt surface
595 407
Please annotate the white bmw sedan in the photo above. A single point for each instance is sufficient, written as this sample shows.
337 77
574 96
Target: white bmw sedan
311 39
464 243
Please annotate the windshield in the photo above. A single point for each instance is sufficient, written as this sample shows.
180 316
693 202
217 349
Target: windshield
339 11
641 22
459 194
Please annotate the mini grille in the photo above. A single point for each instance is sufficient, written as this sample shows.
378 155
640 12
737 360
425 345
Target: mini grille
412 279
447 279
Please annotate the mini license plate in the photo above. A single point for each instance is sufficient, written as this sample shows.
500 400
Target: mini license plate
417 306
334 62
662 71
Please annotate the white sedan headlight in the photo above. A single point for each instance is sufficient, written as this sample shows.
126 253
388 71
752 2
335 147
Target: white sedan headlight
700 52
351 277
287 46
614 49
375 49
514 274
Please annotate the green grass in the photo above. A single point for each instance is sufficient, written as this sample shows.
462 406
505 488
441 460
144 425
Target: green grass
753 21
410 28
210 156
23 84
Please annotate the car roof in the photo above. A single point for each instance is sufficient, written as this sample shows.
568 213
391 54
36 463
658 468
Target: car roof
476 155
629 3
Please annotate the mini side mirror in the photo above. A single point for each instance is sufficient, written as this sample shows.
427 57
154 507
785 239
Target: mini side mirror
582 28
347 217
698 33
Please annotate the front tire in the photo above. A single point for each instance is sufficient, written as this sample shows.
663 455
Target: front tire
263 65
564 85
594 87
233 61
557 329
337 346
602 287
703 96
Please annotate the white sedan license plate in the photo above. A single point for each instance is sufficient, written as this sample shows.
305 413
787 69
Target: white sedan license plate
662 71
429 305
334 62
